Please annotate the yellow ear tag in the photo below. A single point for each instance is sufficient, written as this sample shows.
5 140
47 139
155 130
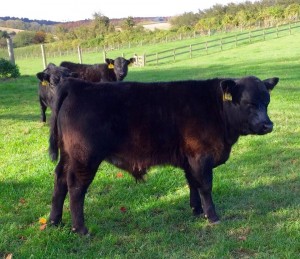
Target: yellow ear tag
227 97
111 66
44 83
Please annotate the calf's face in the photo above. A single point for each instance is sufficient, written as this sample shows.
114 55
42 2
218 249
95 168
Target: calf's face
120 66
250 98
53 74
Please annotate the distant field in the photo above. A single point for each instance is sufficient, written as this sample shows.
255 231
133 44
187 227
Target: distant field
160 26
256 192
10 29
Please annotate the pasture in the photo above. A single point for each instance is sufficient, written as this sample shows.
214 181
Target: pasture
256 192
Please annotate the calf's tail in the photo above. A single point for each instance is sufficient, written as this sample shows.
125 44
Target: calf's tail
54 138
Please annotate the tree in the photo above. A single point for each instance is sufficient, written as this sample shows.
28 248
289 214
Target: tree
100 25
24 38
40 37
292 12
4 34
128 23
206 24
61 32
187 19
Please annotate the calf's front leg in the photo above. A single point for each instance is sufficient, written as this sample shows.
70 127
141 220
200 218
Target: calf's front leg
200 178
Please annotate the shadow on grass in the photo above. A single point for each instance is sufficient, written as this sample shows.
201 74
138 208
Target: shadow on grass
20 117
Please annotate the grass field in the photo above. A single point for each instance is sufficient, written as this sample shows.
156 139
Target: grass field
256 192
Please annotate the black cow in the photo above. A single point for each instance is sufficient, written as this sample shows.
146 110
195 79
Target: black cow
49 79
112 70
134 126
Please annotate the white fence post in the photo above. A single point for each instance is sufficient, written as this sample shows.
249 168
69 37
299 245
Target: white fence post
79 54
44 56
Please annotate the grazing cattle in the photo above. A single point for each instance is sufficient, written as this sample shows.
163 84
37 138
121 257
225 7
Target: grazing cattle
135 125
49 79
112 70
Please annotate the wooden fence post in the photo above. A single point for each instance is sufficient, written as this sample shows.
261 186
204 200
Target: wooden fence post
104 56
10 51
221 44
174 54
44 56
79 54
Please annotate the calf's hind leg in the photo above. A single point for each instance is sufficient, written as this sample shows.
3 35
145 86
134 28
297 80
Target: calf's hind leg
79 179
59 193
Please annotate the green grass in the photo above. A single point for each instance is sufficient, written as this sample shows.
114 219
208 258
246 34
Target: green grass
256 192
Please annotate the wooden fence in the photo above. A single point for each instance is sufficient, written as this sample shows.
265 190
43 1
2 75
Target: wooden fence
202 47
212 46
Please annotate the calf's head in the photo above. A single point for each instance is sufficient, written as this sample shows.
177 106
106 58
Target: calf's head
246 101
120 66
53 74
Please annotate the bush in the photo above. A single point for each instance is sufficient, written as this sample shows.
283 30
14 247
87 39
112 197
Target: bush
8 70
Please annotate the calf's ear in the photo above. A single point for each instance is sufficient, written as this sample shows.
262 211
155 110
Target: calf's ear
109 61
131 60
228 87
51 65
43 76
271 82
40 76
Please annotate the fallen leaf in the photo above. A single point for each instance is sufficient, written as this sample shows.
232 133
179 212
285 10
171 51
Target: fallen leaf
123 209
23 238
242 238
42 221
43 227
22 201
120 175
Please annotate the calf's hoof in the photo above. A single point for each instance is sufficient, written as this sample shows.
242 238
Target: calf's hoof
80 230
213 220
55 222
197 212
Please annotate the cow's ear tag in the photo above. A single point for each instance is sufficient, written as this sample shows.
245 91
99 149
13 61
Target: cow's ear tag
111 66
44 83
227 97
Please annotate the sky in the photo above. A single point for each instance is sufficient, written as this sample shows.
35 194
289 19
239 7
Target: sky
74 10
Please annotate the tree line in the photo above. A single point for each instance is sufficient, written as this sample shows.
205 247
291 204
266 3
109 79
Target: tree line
102 31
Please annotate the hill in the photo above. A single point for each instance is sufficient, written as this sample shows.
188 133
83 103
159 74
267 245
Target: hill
27 20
